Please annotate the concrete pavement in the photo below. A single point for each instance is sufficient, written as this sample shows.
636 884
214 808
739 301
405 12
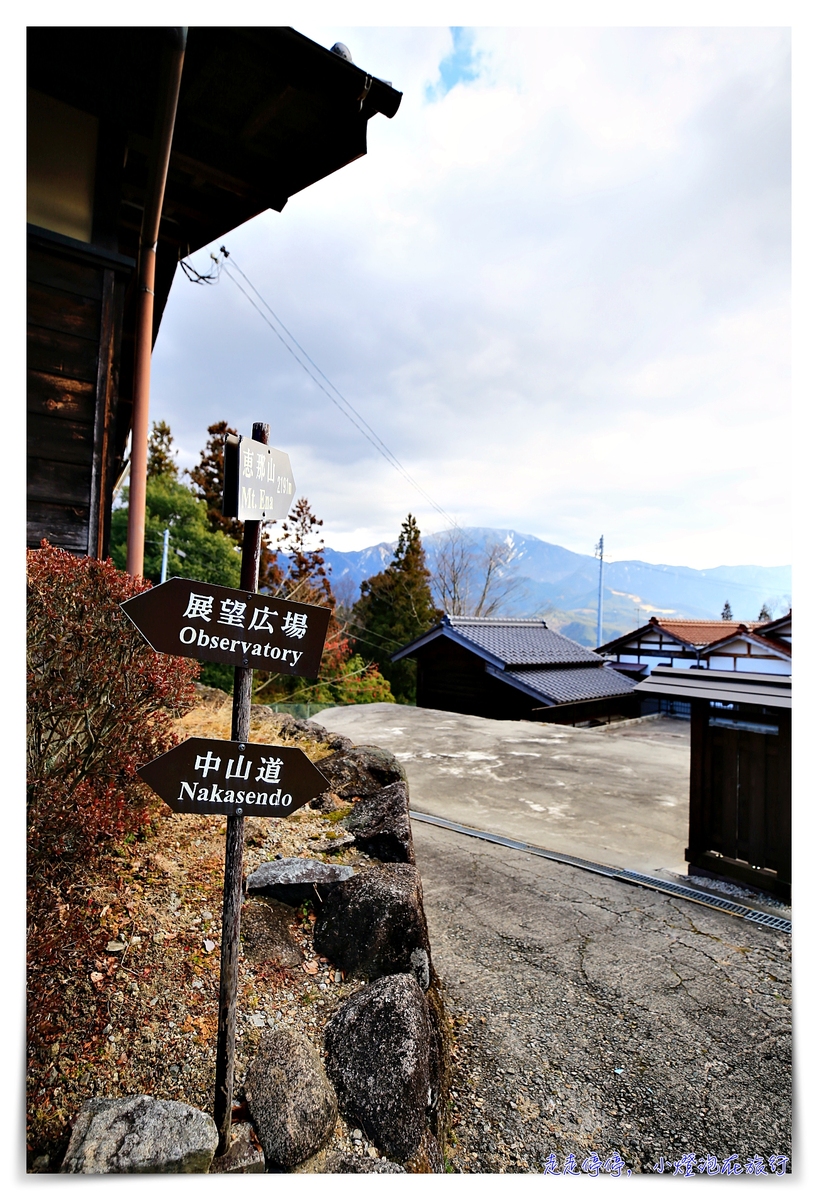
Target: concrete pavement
615 794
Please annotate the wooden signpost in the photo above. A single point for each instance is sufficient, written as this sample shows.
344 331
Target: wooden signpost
206 775
232 626
236 777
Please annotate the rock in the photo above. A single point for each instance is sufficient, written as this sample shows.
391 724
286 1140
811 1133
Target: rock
296 729
374 923
419 962
266 935
244 1156
380 824
139 1134
361 771
440 1059
378 1059
336 1162
427 1159
294 880
326 802
333 845
291 1102
351 1164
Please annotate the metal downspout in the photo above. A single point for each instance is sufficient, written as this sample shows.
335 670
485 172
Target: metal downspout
149 236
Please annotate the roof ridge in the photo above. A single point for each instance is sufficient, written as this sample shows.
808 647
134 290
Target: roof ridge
535 621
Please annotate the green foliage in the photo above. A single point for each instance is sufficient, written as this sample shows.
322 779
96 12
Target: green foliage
765 614
207 478
195 550
727 612
395 607
100 704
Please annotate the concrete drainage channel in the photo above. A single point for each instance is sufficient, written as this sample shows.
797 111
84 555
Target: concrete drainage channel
634 877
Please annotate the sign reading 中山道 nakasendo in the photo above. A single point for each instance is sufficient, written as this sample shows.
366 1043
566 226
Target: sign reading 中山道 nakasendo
225 625
210 776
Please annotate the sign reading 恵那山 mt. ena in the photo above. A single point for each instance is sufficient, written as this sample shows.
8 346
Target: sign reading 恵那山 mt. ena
258 480
207 775
225 625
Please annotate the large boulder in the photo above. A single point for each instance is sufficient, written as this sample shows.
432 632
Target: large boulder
291 1102
378 1059
381 826
140 1135
374 924
294 880
266 934
360 771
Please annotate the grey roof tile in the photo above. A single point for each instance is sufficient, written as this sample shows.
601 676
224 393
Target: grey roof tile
575 683
521 643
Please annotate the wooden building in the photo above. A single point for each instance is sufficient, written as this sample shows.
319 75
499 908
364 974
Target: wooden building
515 670
262 114
667 643
740 772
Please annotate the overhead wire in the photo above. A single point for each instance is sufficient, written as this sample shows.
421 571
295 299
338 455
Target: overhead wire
338 399
346 407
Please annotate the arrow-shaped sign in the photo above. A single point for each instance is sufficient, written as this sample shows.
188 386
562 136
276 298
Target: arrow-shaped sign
219 624
206 775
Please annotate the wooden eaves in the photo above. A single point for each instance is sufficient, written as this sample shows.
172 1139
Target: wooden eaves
263 113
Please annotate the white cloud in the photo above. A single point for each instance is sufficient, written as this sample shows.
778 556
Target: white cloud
559 292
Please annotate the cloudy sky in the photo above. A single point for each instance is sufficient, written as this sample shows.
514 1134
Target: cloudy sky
557 288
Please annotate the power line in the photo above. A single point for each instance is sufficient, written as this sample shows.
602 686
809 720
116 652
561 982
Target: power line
344 406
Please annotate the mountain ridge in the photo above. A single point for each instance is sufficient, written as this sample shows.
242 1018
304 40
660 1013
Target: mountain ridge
561 585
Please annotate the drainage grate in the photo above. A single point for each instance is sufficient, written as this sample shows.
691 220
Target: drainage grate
635 877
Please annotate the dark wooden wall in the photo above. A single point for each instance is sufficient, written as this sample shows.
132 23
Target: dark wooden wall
75 299
740 797
453 679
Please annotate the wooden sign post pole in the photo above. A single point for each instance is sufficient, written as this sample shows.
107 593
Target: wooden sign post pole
233 858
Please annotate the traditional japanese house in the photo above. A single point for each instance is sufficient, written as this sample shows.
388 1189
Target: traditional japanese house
740 770
515 670
262 113
667 643
749 650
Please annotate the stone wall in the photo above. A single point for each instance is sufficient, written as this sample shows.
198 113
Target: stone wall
371 1093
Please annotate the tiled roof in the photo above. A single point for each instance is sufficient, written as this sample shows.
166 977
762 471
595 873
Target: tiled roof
520 643
691 633
575 683
701 633
783 648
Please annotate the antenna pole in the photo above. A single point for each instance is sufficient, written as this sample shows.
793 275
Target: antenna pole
599 549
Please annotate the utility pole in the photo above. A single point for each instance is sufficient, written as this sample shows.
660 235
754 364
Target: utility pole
165 540
599 549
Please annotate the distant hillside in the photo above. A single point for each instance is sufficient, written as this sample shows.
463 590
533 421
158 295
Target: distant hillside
561 586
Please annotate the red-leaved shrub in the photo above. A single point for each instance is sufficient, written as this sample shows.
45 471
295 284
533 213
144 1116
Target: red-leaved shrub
100 704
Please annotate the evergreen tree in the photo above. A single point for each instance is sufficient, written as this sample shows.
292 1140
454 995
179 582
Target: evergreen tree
306 576
727 612
161 455
207 478
395 607
765 614
305 579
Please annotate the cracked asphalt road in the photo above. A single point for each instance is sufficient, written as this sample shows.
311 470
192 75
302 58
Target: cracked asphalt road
596 1016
